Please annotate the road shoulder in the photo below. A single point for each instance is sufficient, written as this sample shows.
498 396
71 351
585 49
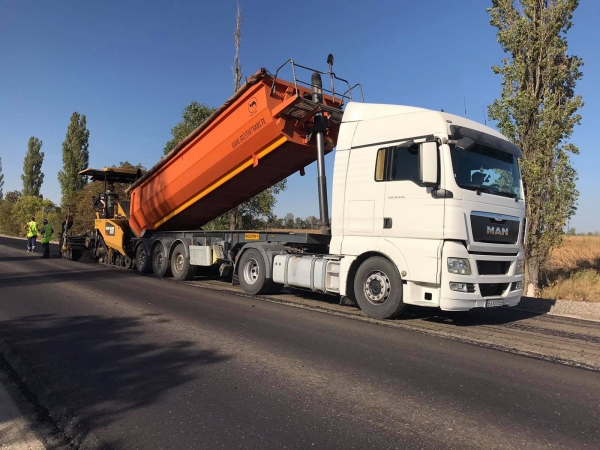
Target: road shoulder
16 430
24 424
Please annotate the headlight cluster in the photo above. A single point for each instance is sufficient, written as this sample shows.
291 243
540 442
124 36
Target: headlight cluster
462 287
519 267
459 266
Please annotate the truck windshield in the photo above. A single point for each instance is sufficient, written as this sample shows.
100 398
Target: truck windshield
487 170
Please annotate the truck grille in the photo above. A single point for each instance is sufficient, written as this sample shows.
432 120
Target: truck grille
493 267
492 289
495 229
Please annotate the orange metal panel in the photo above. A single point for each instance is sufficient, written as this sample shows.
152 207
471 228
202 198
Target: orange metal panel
242 150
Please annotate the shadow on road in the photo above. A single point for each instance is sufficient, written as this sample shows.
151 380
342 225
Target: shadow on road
57 275
25 257
476 317
96 368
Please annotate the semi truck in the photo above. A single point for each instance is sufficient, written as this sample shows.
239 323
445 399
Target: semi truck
427 207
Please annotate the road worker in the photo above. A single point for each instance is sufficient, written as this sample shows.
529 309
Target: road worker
46 236
32 232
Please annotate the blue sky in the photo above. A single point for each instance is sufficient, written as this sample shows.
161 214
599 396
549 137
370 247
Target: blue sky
131 67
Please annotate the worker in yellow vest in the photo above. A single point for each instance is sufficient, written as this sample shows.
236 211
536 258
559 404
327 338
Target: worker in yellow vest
32 232
46 236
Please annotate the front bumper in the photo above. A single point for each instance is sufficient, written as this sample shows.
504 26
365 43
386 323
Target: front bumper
463 301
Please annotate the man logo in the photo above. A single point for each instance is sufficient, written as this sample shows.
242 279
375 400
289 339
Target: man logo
497 231
252 105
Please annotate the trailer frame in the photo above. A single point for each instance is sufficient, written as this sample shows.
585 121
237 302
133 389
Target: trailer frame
229 246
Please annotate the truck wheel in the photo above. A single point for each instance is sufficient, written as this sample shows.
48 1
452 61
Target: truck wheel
378 288
161 265
180 264
252 273
142 259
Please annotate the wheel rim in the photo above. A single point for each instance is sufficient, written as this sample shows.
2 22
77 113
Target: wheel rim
159 260
179 263
377 287
142 258
251 271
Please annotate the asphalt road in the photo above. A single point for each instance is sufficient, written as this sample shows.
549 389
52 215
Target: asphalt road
125 361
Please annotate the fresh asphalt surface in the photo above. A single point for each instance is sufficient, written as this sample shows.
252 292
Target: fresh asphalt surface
125 361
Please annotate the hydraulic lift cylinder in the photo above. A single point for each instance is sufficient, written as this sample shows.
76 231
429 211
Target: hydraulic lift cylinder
319 127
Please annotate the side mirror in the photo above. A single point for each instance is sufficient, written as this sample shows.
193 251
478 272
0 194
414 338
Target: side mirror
428 155
465 144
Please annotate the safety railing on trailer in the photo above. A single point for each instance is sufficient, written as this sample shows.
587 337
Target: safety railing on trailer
347 95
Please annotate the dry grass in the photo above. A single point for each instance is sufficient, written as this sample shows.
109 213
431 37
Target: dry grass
573 271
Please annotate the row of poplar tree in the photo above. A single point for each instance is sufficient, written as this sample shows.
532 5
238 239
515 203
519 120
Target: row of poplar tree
17 206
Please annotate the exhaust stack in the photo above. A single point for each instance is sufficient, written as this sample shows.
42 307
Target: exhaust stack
319 130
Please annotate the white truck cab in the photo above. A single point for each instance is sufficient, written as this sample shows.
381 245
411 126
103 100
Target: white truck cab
436 195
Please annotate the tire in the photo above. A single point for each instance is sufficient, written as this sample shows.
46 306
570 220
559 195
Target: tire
180 264
127 262
252 273
378 288
161 265
142 260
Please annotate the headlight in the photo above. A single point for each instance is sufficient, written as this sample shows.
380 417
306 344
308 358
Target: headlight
459 266
462 287
519 267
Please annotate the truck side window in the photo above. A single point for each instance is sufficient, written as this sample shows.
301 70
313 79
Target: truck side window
405 164
380 165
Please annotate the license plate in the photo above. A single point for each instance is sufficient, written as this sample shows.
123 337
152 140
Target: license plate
494 303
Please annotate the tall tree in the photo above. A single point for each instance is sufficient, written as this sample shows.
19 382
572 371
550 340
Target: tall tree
1 181
76 156
192 117
237 40
538 111
235 215
32 168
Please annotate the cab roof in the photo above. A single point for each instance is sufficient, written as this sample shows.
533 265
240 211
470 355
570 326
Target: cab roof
417 122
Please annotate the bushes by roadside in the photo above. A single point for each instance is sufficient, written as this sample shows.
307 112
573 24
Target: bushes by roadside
16 210
573 271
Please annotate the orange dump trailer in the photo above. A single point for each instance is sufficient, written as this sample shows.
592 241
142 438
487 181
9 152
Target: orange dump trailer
259 137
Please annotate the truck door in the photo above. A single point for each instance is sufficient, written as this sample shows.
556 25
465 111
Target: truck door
363 203
413 220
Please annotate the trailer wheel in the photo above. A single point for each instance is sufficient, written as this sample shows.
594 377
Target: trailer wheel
142 259
180 264
161 265
378 288
252 273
